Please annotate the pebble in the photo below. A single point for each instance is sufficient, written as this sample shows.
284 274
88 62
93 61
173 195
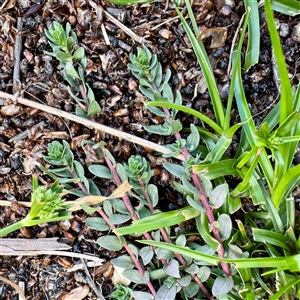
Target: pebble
284 30
296 33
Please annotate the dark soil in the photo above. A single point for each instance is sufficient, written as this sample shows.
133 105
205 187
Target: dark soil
45 276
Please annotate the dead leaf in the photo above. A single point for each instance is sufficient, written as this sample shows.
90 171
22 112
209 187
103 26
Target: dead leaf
218 36
10 110
56 135
119 278
77 294
91 200
9 5
8 245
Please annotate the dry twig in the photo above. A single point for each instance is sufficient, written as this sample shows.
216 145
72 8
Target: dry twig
18 49
13 285
90 124
90 281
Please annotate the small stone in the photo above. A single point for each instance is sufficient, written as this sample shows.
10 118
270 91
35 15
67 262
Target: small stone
165 33
296 33
284 30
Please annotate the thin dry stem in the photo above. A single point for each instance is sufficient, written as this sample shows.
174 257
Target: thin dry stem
89 124
15 286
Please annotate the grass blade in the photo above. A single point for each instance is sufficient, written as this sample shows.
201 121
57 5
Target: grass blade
286 104
206 69
190 111
286 185
252 53
285 263
290 7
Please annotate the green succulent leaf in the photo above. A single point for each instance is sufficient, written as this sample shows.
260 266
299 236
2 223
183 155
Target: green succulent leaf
100 171
136 277
97 223
70 70
111 242
222 286
78 55
123 261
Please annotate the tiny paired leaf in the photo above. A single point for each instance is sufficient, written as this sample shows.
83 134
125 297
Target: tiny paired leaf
181 240
100 171
172 268
191 290
225 226
146 253
70 70
219 195
166 293
192 269
204 273
123 261
136 277
164 253
153 194
193 139
222 286
185 281
120 206
111 242
118 219
175 169
137 295
93 109
78 55
234 252
97 223
107 207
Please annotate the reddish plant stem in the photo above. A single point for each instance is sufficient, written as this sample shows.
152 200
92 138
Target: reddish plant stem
104 216
168 240
133 257
84 96
203 199
131 254
125 198
79 183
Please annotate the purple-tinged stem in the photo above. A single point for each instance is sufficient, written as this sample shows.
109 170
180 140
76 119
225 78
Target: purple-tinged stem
79 183
125 198
133 257
84 96
168 240
204 200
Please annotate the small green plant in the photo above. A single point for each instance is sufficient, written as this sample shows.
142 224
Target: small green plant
268 182
226 262
46 206
121 293
63 44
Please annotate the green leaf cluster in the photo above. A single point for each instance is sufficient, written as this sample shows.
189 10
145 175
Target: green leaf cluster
46 206
70 171
73 61
266 180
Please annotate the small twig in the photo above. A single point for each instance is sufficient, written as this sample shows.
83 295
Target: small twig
233 43
163 23
18 50
57 253
90 281
25 133
91 264
13 285
129 32
3 5
90 124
